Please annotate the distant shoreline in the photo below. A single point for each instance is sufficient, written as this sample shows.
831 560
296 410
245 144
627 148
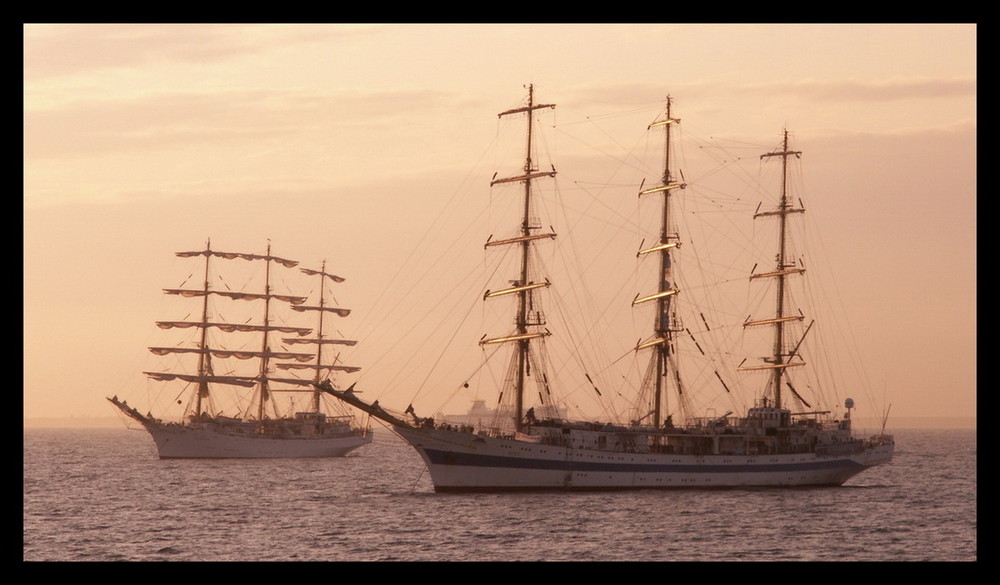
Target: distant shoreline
860 424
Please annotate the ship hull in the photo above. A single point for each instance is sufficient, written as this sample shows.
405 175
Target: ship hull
459 461
209 442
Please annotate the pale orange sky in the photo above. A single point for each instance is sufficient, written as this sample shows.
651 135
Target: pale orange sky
345 142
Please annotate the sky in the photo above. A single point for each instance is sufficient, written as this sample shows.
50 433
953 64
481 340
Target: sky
353 143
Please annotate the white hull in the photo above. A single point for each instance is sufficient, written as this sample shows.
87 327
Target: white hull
207 442
459 461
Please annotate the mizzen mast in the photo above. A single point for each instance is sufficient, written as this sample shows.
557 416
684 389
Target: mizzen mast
524 317
665 322
322 369
784 267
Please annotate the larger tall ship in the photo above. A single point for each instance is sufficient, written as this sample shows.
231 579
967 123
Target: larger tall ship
257 411
768 445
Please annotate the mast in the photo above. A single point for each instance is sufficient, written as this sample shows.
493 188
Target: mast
319 341
319 336
663 326
522 288
783 268
264 394
204 375
204 359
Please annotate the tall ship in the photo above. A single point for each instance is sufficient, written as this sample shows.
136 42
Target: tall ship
258 408
768 445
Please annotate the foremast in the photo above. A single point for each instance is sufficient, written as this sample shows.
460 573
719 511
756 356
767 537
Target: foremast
781 357
205 375
525 318
665 323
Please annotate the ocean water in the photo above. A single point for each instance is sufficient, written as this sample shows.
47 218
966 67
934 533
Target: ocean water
102 495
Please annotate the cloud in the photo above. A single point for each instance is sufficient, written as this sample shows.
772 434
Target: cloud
810 89
61 50
164 121
873 91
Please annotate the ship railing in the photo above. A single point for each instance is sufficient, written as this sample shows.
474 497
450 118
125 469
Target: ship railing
458 427
713 423
340 418
879 440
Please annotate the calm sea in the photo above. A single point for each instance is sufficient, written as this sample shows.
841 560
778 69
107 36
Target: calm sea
102 495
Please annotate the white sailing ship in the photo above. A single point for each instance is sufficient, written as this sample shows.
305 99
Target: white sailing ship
769 445
258 428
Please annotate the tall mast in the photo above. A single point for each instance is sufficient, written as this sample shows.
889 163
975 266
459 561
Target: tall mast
523 288
266 348
321 370
783 268
319 336
205 375
663 326
204 360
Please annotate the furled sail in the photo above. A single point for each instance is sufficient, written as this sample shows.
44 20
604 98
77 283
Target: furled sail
332 277
521 337
245 381
519 239
244 256
335 368
292 381
525 177
655 296
515 289
240 296
775 273
232 327
339 312
239 354
773 321
314 341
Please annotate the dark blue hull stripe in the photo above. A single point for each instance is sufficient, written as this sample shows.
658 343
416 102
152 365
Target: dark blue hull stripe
437 457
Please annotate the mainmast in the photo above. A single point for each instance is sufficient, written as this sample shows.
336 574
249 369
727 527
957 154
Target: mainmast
264 378
204 358
205 374
783 268
522 288
266 345
663 325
